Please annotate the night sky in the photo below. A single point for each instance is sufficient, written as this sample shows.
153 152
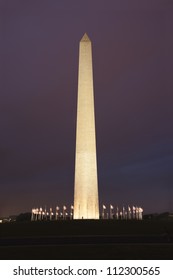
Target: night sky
133 85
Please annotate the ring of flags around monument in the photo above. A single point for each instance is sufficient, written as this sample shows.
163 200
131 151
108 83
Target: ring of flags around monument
123 213
108 212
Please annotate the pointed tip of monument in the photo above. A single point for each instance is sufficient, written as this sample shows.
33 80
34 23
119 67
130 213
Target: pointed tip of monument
85 38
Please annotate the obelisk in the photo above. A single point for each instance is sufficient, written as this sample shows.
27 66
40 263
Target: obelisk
86 202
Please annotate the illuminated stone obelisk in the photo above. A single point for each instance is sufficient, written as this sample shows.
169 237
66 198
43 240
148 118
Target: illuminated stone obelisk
86 203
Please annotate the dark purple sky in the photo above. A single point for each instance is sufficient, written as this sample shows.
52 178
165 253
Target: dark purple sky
133 82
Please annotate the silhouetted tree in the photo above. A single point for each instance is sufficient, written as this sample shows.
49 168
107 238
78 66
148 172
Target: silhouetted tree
23 217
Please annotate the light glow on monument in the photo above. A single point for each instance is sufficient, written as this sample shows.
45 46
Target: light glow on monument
86 202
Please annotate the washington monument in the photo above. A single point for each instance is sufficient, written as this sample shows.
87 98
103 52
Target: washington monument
86 202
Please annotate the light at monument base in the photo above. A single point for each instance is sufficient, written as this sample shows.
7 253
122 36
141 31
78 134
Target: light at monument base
108 212
86 214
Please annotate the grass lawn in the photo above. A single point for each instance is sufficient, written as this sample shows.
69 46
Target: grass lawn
86 251
85 227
